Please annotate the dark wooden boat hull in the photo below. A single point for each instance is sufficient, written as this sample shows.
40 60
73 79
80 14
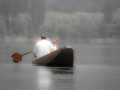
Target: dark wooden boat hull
60 58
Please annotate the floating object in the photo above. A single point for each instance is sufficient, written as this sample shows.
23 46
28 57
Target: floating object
17 57
62 57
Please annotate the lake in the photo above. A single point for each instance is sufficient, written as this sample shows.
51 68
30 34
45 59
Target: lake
96 67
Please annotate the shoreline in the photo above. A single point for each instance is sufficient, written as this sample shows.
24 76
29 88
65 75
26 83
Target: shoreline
18 39
35 39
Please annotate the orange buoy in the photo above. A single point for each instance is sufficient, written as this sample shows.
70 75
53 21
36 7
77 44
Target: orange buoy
16 57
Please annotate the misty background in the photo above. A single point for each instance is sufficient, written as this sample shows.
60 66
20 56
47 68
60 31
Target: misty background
67 19
90 27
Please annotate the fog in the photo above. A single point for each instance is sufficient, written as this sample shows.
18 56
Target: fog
90 27
73 21
83 19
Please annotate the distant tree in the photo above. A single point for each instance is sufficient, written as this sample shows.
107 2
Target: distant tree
11 8
37 12
108 10
2 27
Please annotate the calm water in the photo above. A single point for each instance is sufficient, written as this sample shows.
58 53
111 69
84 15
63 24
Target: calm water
96 67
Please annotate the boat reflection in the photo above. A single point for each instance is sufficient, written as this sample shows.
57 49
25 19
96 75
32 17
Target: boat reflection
62 70
49 77
44 78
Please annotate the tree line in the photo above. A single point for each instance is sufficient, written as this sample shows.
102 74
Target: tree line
20 16
81 25
28 18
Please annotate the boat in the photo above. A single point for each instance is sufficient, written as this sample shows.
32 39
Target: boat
63 57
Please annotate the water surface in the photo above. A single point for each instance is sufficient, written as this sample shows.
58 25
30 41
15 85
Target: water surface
96 67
